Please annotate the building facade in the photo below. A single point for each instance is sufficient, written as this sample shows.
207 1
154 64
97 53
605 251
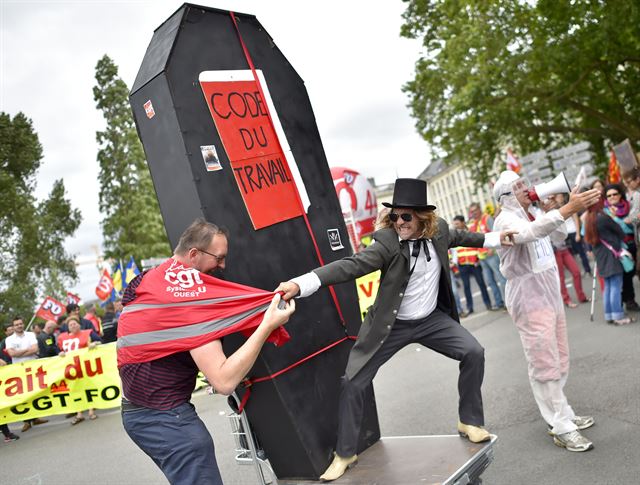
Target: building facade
451 189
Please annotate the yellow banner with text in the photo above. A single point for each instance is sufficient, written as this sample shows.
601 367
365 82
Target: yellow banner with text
82 379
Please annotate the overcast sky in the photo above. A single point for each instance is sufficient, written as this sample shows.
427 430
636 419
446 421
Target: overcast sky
49 50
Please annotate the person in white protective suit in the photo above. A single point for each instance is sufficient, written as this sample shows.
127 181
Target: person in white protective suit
534 301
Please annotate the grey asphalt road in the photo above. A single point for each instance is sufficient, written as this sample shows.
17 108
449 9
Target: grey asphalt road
416 395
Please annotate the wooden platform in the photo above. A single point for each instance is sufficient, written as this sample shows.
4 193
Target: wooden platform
428 460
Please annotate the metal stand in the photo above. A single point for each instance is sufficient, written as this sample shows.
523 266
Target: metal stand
593 289
247 450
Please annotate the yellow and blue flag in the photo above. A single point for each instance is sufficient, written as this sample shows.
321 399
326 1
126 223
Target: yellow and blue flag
118 283
131 271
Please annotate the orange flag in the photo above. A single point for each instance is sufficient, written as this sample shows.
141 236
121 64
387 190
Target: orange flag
614 169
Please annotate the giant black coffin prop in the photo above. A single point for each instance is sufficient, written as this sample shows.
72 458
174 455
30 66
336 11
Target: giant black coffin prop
295 415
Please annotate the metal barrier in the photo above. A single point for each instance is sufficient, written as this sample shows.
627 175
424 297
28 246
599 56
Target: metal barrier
247 451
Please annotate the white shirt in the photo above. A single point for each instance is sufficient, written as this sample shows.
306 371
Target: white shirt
23 342
421 296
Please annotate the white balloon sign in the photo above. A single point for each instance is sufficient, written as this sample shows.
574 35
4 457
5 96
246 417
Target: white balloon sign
357 199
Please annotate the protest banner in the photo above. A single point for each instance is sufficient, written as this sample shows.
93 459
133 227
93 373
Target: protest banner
83 379
367 287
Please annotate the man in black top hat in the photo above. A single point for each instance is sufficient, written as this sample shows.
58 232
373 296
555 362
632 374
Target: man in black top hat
415 303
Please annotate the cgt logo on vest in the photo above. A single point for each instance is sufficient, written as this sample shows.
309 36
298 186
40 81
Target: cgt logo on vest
184 282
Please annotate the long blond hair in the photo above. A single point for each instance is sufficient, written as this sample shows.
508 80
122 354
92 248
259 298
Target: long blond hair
427 219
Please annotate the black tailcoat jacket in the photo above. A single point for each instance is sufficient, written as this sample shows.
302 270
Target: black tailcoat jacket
391 256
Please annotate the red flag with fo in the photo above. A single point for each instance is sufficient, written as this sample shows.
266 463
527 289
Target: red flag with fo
177 308
512 162
105 286
50 309
72 298
614 169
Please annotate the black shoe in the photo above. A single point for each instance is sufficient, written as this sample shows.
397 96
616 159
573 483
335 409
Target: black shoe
11 437
632 306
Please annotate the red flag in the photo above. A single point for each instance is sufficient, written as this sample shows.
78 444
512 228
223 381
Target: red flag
614 169
50 309
177 308
512 162
105 286
72 298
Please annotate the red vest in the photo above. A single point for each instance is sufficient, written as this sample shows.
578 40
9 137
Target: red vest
95 320
467 255
480 226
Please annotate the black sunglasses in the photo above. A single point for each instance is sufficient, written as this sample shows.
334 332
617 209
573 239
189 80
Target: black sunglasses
406 217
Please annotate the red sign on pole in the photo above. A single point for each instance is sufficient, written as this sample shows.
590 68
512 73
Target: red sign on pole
50 309
259 165
105 286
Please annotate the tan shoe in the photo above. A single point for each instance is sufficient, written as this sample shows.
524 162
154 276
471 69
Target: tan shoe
26 426
475 434
337 468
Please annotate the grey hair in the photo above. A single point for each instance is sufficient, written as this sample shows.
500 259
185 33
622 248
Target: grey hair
198 235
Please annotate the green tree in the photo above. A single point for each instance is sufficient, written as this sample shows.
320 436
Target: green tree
132 224
525 74
32 232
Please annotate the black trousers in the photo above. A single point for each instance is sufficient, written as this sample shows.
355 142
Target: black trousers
438 332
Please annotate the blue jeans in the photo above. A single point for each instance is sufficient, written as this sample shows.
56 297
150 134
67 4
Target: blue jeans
613 297
466 272
492 275
577 247
177 441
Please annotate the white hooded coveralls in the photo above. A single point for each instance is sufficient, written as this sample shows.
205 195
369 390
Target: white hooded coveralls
533 299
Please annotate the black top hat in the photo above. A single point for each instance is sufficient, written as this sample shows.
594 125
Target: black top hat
410 194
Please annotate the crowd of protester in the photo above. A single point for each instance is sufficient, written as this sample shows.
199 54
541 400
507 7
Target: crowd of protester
55 338
604 239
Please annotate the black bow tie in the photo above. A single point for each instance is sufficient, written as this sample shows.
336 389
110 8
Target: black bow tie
416 247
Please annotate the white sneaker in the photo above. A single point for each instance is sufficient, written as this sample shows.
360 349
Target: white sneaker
583 422
573 441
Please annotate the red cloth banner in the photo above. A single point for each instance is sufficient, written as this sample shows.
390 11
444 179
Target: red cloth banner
72 298
513 163
259 165
177 308
51 309
105 286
